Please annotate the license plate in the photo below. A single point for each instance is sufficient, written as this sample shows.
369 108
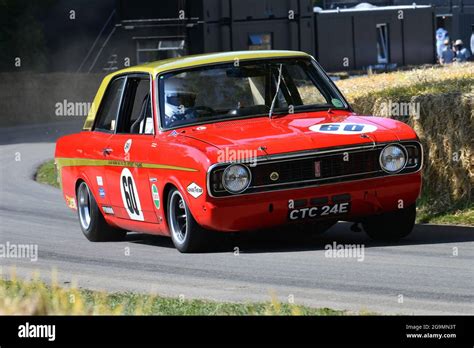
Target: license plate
319 212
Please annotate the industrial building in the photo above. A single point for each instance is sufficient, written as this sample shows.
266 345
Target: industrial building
370 36
90 36
456 16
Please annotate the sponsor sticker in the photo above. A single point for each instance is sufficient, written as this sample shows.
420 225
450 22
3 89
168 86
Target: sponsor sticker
101 192
71 202
343 128
108 210
156 196
100 181
127 146
337 103
194 190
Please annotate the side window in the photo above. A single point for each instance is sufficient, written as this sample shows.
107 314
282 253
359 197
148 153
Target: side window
137 117
305 86
106 119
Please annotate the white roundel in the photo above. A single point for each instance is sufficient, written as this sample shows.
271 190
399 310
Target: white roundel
130 198
343 128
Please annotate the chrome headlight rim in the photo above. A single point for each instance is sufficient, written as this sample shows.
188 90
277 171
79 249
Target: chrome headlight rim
224 175
405 153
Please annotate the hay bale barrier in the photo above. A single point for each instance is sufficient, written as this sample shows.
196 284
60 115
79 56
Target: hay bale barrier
444 122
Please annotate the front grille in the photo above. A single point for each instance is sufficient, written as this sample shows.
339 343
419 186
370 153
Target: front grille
322 167
330 166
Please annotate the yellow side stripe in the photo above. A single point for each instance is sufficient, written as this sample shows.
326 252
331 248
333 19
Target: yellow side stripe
76 162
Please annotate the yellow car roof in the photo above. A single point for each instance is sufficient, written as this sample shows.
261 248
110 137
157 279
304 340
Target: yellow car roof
160 66
204 59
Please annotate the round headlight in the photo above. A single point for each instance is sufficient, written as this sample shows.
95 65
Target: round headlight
393 158
236 178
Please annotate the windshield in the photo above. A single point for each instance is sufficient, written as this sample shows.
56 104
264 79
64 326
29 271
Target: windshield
226 91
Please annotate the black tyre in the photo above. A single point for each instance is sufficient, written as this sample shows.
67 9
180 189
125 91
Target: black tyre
392 226
187 235
93 224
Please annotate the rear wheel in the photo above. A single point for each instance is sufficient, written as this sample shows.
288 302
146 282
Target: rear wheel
185 232
93 224
392 226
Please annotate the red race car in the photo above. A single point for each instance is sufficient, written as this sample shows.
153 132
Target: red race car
235 141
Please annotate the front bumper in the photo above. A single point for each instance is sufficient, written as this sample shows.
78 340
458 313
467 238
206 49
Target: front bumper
270 209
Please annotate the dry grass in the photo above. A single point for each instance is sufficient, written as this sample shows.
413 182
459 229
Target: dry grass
432 80
34 297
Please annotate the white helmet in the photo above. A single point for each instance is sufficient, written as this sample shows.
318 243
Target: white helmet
177 97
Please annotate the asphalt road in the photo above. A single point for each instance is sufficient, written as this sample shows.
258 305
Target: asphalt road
421 268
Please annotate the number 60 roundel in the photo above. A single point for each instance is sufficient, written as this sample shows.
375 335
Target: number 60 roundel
343 128
130 198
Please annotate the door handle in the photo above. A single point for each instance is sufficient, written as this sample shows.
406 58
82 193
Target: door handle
107 151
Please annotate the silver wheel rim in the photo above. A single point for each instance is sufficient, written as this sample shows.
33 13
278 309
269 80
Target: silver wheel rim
84 205
178 217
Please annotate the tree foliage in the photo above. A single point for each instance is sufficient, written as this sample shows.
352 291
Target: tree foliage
22 35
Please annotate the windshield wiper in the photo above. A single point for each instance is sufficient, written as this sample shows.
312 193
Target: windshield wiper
276 93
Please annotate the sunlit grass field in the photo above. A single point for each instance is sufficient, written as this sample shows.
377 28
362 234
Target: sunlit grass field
18 297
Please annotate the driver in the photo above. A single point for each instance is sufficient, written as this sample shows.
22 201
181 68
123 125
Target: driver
178 99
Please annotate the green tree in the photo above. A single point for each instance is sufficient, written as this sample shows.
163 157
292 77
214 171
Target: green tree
22 35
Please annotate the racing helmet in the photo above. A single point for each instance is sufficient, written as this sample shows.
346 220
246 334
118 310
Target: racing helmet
177 96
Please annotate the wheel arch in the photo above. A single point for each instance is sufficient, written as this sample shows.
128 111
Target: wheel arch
173 182
166 192
83 178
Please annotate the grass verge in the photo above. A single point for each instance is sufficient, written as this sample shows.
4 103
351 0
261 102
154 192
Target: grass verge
463 216
47 174
36 298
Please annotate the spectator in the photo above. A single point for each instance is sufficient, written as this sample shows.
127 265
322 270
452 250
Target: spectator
447 54
462 53
441 36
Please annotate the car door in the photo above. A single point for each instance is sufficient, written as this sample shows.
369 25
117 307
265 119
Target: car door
127 152
95 142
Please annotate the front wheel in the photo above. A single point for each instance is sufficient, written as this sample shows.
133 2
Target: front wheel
93 224
392 226
185 232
